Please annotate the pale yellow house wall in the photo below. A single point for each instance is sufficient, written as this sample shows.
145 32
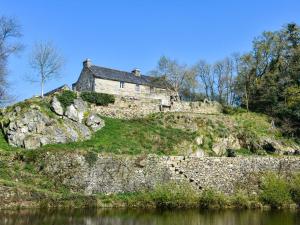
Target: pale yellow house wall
129 89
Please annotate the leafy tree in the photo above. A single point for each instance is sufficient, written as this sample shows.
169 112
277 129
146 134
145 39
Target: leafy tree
269 77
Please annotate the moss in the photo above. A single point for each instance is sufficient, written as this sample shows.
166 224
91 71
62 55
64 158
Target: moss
91 158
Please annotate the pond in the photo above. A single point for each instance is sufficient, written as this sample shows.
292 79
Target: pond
155 217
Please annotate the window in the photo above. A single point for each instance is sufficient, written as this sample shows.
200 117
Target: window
122 84
152 90
137 87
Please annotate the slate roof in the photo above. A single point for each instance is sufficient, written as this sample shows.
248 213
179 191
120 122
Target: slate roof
117 75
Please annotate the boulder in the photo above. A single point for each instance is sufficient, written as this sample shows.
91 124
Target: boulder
95 122
80 105
222 144
72 113
199 153
57 107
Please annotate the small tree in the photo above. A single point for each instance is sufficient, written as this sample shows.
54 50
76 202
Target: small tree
47 62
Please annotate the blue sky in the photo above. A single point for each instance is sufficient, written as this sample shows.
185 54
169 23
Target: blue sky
135 33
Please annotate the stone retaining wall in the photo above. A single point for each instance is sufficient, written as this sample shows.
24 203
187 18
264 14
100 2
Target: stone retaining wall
115 174
128 108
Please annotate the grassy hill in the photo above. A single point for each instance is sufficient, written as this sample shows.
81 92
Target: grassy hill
181 134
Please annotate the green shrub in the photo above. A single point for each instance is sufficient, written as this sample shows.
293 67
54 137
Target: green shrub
274 191
66 98
173 195
97 98
212 199
295 188
229 110
241 200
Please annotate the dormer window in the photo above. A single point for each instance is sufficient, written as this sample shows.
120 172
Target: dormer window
122 83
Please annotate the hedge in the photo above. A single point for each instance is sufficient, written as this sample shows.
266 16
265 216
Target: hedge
97 98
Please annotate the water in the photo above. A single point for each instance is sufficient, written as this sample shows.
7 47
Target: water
135 217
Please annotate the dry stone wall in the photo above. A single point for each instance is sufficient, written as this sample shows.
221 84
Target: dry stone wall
115 174
128 108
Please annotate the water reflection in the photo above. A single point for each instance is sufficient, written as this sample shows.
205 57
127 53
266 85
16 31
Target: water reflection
135 217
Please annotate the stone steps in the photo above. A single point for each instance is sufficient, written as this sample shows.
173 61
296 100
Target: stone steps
178 174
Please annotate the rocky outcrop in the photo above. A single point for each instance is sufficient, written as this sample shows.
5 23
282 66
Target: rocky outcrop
36 125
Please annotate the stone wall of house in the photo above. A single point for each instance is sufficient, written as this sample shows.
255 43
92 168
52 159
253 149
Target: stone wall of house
85 81
130 90
128 107
115 174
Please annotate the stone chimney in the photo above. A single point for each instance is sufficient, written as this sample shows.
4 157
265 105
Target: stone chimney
87 63
136 72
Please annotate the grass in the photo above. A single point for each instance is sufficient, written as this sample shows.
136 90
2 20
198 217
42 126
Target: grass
132 137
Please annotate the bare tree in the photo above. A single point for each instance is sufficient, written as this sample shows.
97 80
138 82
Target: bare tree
177 76
203 71
47 62
219 69
9 31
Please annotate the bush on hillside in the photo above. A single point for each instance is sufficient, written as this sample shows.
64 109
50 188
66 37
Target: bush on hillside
97 98
212 199
66 98
173 195
275 191
295 188
230 110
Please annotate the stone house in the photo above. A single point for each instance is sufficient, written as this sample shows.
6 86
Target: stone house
120 83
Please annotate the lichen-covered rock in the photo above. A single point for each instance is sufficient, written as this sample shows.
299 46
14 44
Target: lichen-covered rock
32 142
80 105
95 122
72 113
57 107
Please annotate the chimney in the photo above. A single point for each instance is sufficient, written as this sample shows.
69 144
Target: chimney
87 63
136 72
